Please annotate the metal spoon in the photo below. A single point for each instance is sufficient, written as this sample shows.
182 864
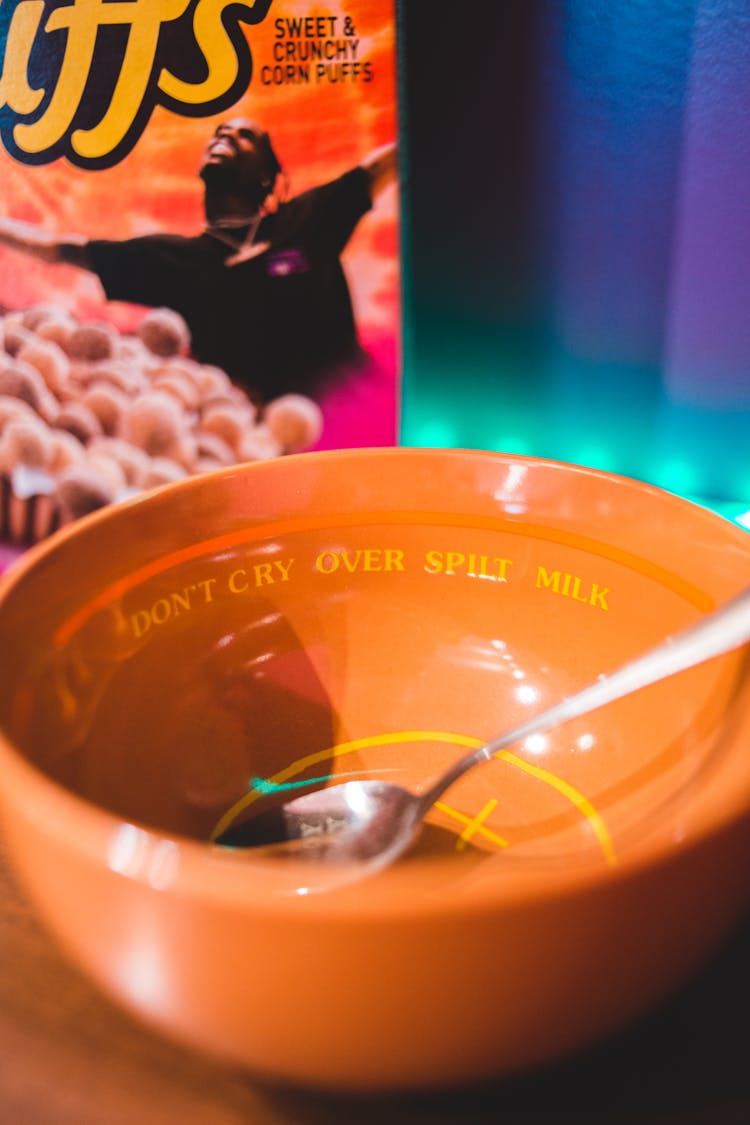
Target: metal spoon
372 823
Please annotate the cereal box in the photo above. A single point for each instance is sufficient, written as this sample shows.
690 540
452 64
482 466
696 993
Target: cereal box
199 242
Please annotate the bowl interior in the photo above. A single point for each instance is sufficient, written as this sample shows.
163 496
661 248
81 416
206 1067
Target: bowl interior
375 615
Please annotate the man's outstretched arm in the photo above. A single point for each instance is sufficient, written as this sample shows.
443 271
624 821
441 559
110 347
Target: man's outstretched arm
382 165
39 243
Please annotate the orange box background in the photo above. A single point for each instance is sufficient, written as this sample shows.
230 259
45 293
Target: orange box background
319 130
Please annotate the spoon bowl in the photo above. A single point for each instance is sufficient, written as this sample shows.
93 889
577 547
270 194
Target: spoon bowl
370 823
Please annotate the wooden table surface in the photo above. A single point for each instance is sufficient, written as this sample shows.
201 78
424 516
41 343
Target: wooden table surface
68 1057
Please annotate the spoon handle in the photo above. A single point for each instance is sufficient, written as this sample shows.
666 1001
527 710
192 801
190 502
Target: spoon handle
723 630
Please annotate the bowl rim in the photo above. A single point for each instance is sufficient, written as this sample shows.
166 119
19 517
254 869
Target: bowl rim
36 552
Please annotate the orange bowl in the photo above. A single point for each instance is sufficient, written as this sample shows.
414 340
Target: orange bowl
376 614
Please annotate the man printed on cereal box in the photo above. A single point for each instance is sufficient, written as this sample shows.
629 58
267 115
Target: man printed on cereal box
261 289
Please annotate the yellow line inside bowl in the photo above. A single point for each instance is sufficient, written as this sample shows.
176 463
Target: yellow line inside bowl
475 824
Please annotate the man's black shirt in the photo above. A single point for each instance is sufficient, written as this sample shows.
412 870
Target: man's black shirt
279 321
